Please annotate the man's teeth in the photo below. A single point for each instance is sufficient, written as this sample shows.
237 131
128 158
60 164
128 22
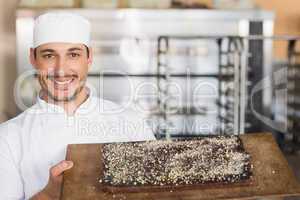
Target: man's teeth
63 82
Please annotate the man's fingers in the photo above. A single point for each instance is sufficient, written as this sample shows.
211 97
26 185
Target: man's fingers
54 184
58 169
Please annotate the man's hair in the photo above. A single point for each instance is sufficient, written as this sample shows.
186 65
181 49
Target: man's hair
87 50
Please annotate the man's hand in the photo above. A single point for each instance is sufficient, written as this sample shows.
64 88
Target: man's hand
52 190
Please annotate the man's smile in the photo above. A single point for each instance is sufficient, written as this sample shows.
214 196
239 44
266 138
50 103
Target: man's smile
62 82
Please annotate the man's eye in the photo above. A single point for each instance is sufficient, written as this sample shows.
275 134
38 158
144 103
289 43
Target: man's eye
48 56
74 55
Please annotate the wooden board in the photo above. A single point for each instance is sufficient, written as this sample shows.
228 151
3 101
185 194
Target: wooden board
272 176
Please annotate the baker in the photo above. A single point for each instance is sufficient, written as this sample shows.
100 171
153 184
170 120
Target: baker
33 145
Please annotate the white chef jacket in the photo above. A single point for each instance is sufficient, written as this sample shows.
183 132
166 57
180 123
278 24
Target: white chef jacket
34 141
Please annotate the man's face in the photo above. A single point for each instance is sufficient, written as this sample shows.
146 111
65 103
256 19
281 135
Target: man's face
62 69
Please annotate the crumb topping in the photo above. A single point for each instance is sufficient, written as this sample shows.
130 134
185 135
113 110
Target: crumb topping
220 159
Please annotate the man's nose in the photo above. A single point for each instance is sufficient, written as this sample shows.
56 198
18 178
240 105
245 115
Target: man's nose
60 63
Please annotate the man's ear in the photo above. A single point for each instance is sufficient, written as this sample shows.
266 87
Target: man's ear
32 58
90 58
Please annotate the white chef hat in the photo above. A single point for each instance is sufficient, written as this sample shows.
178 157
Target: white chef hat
61 27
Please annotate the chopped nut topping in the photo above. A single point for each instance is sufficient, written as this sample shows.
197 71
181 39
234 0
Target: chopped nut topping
220 159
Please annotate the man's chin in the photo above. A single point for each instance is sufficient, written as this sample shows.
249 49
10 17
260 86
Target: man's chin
62 98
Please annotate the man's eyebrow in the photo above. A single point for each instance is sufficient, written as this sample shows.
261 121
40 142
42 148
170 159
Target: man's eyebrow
47 50
75 49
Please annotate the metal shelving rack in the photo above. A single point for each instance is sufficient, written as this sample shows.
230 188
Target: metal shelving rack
293 99
231 84
284 118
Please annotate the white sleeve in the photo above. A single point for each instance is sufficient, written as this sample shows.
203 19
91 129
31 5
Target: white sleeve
11 186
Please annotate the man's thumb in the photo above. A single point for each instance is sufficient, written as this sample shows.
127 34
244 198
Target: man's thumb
58 169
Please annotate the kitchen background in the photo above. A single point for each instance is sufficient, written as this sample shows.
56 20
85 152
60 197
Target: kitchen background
265 52
287 22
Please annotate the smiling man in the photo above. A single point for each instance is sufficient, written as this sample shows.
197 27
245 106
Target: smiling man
62 71
33 145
